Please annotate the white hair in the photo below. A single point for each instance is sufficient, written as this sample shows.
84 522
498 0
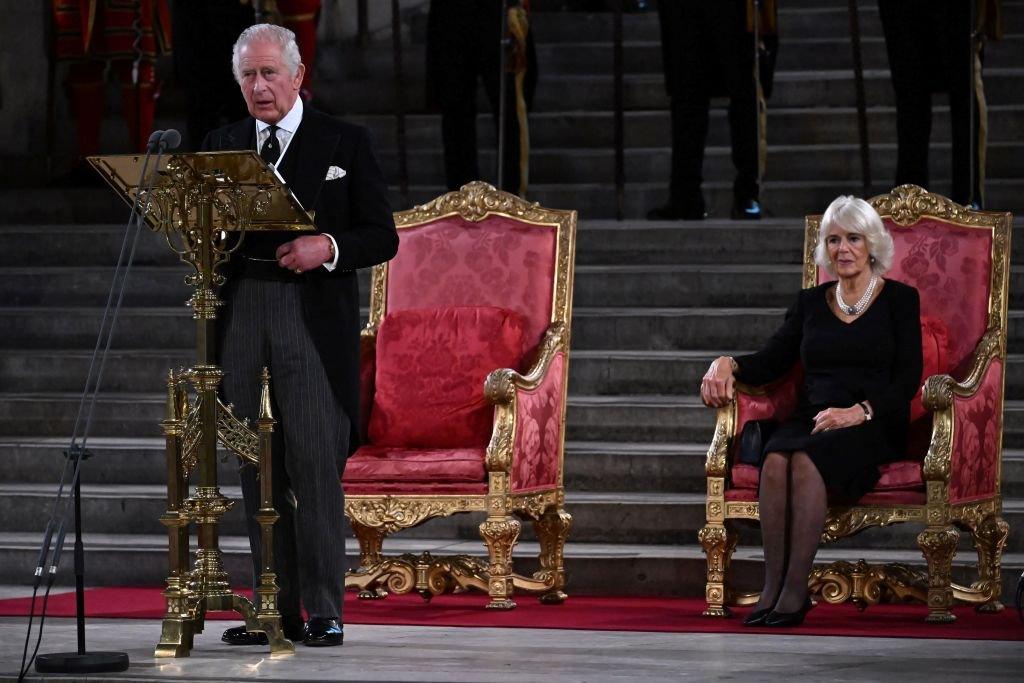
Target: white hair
856 215
267 33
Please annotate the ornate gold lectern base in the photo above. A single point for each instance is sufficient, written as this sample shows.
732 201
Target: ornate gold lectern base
203 204
178 632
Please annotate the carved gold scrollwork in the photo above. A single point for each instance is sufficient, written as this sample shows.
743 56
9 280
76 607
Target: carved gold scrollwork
391 514
846 522
908 203
718 453
192 433
236 435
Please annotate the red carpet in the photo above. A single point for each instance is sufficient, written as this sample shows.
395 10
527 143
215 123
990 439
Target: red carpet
671 615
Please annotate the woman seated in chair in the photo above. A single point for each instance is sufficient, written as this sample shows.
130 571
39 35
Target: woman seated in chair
859 341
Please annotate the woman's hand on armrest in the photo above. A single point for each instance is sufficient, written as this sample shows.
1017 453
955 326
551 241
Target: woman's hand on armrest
718 386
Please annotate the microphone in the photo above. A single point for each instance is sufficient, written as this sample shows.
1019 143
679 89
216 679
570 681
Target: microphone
153 140
169 139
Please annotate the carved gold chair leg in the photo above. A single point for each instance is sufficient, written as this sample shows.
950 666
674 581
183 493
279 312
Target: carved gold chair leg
990 541
719 542
500 533
552 530
938 545
371 544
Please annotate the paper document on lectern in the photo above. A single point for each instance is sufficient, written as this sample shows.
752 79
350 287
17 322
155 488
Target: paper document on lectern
243 172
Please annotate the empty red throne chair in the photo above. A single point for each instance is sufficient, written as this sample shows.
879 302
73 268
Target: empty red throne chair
464 370
949 476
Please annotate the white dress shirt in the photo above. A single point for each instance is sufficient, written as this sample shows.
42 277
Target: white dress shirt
286 128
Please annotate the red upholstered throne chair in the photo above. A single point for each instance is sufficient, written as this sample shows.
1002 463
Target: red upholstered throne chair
464 371
949 476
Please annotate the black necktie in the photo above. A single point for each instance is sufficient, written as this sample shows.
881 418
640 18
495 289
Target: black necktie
271 151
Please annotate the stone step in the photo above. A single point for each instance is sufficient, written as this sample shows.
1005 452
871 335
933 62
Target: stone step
592 372
778 198
592 200
595 328
611 418
593 569
819 125
806 88
584 54
598 517
590 465
629 418
653 164
818 20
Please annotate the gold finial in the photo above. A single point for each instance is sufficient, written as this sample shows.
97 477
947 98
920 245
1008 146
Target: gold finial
265 412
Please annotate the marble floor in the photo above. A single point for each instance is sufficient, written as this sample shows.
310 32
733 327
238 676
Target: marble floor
422 653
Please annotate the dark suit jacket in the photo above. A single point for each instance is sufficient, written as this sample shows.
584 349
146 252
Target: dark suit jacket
355 211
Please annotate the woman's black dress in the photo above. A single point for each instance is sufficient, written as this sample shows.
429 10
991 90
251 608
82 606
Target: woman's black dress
876 357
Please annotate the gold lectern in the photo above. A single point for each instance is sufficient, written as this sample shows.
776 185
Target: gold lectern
203 205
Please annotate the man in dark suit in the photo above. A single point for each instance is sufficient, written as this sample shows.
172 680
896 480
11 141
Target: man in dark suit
708 50
292 303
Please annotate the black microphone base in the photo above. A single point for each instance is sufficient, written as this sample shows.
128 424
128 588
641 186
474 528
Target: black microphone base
87 663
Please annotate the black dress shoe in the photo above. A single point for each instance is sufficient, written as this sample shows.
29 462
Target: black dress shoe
237 635
757 617
786 619
672 212
293 627
322 632
746 210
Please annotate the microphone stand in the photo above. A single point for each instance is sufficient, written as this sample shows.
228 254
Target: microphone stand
83 661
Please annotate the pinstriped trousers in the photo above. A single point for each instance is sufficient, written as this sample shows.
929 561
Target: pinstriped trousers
266 328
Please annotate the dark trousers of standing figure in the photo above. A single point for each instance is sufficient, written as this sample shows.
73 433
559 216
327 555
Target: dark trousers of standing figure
707 52
463 47
930 50
265 328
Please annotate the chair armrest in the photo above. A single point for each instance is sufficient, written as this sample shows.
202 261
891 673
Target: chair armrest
771 401
526 441
965 447
367 377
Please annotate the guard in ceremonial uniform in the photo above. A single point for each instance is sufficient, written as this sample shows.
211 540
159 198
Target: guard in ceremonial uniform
708 50
936 46
127 34
464 45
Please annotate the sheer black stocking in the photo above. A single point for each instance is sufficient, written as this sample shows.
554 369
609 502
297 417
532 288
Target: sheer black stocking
807 520
772 503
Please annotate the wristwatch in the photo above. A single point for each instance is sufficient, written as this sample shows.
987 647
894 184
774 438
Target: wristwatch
867 413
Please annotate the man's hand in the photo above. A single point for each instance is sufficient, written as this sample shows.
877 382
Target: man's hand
305 253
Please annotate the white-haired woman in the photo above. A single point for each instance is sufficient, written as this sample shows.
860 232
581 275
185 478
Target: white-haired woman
859 340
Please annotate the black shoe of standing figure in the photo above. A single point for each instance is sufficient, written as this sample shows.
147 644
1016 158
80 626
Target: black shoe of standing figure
786 619
294 630
322 632
746 210
758 616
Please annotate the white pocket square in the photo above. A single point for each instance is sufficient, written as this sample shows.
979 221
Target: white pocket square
335 172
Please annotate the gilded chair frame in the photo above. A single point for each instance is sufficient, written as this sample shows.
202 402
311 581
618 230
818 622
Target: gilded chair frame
373 517
860 582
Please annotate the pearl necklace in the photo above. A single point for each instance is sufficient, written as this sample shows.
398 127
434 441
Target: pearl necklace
857 308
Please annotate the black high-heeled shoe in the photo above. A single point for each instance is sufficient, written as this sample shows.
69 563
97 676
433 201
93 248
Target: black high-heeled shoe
788 619
757 617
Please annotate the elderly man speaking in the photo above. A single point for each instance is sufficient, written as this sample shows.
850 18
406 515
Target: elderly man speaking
292 304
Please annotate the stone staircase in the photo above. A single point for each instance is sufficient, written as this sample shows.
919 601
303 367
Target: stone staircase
813 152
654 302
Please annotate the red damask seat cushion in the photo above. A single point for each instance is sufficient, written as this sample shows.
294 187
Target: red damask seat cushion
430 370
384 463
